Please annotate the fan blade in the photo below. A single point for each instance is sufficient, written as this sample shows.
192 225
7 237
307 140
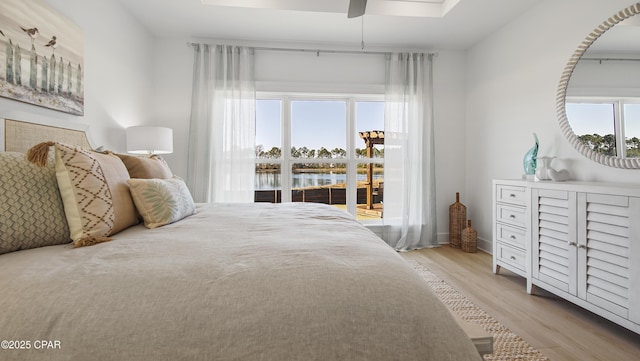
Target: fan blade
356 8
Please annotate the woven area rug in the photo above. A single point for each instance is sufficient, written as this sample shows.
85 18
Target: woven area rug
507 346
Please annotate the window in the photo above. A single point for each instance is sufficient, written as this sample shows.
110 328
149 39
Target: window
314 149
609 126
632 129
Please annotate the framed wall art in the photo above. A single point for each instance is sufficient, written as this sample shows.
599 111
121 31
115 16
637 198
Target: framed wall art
41 56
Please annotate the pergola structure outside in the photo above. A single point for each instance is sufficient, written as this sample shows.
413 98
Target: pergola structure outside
371 138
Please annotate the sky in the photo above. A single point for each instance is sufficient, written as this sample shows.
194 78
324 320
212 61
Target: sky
315 124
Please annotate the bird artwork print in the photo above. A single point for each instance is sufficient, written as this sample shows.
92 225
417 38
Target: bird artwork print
32 32
41 57
52 43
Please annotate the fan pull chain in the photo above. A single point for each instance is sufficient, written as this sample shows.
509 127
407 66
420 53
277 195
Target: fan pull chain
362 33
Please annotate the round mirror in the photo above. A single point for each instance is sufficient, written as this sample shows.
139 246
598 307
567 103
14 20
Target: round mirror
598 100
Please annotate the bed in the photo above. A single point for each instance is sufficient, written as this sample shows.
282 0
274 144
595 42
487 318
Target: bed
294 281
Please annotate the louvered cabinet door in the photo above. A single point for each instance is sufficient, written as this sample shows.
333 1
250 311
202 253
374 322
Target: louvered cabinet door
554 246
606 236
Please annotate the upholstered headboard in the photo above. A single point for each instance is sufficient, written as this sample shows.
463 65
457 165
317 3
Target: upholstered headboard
19 136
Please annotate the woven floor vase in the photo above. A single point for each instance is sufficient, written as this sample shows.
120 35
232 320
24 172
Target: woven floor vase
469 239
457 220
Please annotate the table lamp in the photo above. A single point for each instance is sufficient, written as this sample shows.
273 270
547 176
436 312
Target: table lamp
149 140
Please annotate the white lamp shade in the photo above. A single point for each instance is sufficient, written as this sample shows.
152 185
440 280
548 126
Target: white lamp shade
149 140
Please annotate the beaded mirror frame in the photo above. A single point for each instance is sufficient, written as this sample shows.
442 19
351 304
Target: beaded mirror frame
626 163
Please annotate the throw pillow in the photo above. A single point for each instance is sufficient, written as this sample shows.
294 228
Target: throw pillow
94 191
161 201
146 167
31 210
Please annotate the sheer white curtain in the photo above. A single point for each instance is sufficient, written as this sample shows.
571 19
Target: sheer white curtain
221 157
409 174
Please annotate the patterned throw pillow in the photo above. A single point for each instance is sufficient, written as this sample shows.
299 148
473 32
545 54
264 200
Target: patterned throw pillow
161 201
146 167
31 211
95 194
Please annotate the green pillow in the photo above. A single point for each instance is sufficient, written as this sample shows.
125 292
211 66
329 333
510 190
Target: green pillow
31 209
161 201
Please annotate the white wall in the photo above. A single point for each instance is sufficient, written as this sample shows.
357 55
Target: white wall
512 82
449 80
298 71
608 78
117 73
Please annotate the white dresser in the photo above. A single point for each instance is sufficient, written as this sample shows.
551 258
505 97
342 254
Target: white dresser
578 240
510 229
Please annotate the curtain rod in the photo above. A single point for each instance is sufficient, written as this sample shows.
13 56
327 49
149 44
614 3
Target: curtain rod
611 59
317 51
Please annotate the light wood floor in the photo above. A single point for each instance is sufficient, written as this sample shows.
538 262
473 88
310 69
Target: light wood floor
557 328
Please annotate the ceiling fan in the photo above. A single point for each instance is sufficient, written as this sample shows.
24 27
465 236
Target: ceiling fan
356 8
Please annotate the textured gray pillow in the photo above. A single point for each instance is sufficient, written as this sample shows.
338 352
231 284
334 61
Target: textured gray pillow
31 210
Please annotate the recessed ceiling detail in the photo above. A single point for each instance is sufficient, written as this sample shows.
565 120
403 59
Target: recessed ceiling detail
425 24
412 8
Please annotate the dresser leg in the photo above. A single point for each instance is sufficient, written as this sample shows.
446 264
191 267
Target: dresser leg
531 288
496 269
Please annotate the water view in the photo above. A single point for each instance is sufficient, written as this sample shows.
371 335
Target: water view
271 180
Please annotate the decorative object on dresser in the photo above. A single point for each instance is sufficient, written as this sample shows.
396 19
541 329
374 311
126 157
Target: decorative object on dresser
546 172
469 239
457 220
559 175
580 243
542 168
529 160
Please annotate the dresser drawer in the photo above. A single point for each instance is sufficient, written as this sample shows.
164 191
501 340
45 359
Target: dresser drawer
511 235
516 216
511 194
511 256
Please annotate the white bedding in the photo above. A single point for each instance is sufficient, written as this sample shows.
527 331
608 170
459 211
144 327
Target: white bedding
293 281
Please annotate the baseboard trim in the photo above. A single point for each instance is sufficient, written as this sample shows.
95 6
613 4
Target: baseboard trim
483 244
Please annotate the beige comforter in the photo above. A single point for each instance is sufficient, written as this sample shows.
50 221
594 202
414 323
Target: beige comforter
233 282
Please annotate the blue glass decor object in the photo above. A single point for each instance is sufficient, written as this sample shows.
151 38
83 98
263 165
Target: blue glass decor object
530 157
